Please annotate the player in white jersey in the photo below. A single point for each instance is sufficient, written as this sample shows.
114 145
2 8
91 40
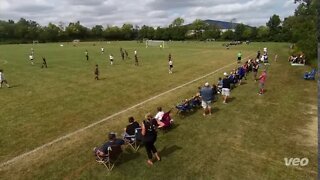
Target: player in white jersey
31 58
111 59
102 50
170 64
3 80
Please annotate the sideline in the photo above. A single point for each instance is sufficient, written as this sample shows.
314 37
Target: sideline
21 156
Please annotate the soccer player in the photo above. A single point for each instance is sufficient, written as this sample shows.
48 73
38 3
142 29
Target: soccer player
239 57
136 61
44 63
111 59
122 55
32 52
31 58
170 66
127 54
225 88
102 50
87 55
96 72
3 80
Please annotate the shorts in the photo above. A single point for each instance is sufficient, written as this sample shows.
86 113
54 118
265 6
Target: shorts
225 92
170 66
239 58
261 85
206 104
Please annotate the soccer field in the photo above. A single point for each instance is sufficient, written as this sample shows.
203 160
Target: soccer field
245 139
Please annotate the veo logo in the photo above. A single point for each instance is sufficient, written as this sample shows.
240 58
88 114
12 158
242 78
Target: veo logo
296 161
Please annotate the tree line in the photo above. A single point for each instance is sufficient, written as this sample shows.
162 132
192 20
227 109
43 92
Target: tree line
300 29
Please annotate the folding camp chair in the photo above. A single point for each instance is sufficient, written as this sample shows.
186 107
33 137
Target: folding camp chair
310 75
166 120
133 140
184 107
110 158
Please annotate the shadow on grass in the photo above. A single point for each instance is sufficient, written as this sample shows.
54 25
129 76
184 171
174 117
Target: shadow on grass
166 151
128 156
230 99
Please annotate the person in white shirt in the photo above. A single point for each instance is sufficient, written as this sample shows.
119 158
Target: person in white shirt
170 66
102 50
111 59
31 58
159 114
3 80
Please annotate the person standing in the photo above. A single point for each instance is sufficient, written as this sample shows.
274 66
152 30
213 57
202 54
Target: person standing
206 94
44 63
136 61
255 68
87 55
111 59
262 80
149 134
96 72
127 54
170 66
225 88
102 50
3 80
31 58
239 57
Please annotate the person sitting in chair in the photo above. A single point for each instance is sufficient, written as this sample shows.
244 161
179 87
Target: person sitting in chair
113 141
130 129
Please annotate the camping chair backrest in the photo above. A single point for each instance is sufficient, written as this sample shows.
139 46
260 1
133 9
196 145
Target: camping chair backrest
166 118
114 152
138 134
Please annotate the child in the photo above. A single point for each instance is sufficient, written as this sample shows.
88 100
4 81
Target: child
44 63
3 80
96 73
31 58
111 59
87 55
170 66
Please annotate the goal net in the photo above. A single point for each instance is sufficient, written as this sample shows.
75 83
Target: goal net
155 43
35 42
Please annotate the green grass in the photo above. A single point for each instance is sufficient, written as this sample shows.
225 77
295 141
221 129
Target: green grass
246 139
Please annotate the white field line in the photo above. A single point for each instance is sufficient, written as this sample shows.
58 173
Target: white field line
19 157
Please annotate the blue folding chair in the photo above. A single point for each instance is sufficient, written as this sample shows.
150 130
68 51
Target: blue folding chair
310 75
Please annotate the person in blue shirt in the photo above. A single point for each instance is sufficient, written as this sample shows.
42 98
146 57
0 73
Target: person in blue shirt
206 94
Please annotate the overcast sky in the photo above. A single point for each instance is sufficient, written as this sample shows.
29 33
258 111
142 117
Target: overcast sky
139 12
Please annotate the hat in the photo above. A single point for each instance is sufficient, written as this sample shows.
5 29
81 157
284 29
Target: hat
225 74
206 84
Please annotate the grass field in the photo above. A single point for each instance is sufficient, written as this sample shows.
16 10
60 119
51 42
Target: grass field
245 139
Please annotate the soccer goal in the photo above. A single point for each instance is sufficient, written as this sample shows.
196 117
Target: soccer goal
155 43
35 42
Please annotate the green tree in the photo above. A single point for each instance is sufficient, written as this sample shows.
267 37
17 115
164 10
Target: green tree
177 22
198 26
228 35
263 33
127 31
274 27
97 31
239 30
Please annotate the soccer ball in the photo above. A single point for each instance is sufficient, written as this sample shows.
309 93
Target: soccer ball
61 45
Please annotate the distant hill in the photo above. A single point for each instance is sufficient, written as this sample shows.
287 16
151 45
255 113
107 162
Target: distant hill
220 24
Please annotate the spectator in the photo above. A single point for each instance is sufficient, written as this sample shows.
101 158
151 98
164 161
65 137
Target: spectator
262 80
113 141
206 94
133 125
225 88
149 133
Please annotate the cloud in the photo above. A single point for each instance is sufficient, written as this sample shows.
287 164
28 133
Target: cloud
139 12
